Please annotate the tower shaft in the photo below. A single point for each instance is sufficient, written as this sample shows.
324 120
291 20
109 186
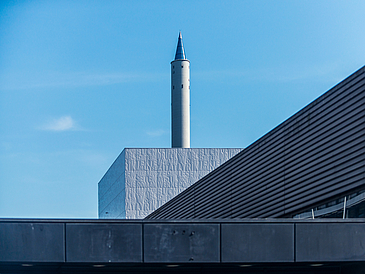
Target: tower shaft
180 99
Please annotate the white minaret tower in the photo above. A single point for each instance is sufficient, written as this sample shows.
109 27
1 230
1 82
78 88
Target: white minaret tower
180 98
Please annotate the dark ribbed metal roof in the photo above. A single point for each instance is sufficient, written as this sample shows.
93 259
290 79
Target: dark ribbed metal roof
180 54
314 156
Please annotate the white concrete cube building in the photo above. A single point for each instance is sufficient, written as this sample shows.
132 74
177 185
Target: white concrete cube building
142 179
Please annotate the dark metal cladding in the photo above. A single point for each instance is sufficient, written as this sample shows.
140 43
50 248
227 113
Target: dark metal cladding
328 242
257 243
104 243
182 246
194 243
32 242
314 156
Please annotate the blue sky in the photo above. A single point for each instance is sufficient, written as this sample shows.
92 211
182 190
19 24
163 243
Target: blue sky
81 80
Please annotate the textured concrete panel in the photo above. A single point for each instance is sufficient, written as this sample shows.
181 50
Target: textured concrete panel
116 208
257 243
151 177
101 243
174 243
114 172
31 242
330 242
110 187
114 190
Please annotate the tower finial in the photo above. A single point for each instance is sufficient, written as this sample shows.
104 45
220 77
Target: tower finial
180 54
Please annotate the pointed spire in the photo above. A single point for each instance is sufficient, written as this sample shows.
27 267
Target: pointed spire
180 54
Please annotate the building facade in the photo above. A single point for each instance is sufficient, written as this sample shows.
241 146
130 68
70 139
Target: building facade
310 165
